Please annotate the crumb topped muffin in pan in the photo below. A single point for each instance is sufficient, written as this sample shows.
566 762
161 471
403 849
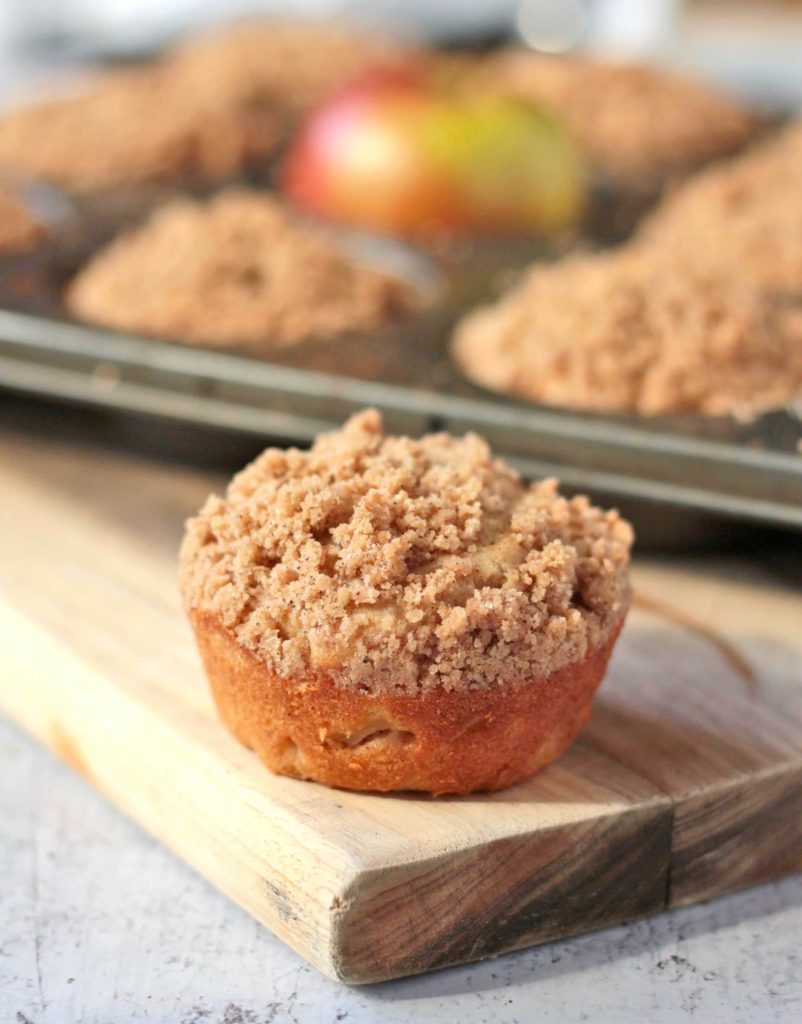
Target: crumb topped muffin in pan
134 126
631 119
742 217
239 269
633 332
212 108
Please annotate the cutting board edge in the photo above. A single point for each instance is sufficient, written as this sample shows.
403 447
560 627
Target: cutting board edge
759 838
265 898
528 908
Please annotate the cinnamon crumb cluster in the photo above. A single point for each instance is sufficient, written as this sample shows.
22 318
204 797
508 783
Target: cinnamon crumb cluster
19 228
631 332
400 565
743 217
631 119
214 106
238 269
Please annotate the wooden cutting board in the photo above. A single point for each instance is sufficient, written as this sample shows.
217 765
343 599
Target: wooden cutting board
686 783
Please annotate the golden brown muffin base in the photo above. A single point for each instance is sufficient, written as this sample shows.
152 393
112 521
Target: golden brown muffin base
449 742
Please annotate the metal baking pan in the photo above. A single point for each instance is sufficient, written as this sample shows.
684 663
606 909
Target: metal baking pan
744 471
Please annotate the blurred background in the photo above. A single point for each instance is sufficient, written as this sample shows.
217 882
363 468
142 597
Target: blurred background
464 164
752 46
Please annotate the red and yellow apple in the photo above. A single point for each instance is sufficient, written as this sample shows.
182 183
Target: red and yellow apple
397 152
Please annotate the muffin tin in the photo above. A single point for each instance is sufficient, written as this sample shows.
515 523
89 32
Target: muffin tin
744 471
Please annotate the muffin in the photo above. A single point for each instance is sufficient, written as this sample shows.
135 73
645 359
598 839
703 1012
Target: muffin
381 613
632 120
134 126
214 106
286 66
20 229
743 217
631 332
236 270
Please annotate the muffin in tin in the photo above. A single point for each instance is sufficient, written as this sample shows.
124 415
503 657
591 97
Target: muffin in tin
240 270
630 331
214 107
382 613
636 123
742 217
132 127
285 65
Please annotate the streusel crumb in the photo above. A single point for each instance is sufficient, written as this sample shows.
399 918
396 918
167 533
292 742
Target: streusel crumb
743 217
19 228
400 565
630 118
239 269
629 332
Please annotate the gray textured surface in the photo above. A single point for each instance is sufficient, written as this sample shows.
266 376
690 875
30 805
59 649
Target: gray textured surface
101 925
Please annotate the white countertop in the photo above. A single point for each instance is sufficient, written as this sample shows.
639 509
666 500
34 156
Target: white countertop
101 925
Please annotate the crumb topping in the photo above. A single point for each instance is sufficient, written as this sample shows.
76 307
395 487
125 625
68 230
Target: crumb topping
743 217
19 229
290 65
135 126
214 105
405 565
628 332
630 118
239 269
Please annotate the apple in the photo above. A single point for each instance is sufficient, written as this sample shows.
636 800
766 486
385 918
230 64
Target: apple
397 151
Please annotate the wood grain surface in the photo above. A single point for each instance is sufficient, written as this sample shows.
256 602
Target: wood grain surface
686 783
